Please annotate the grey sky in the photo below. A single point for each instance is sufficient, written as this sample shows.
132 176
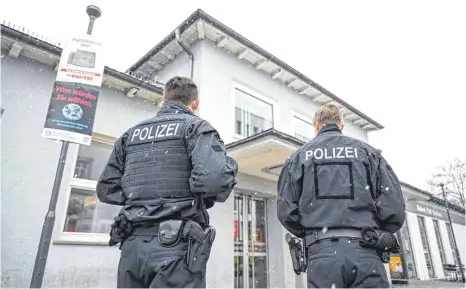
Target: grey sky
402 63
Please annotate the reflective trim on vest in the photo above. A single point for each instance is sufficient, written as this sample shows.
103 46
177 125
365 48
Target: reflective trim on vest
152 132
157 162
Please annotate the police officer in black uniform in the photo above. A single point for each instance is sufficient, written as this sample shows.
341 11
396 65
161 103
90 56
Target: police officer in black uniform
165 172
341 196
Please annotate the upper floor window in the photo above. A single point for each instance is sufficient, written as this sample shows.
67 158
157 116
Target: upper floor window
252 115
303 129
85 214
92 160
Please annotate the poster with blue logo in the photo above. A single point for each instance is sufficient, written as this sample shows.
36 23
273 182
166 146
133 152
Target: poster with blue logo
71 113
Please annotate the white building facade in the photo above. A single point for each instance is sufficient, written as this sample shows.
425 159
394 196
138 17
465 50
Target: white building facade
262 109
427 237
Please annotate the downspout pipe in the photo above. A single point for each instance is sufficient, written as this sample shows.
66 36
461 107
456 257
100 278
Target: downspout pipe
186 49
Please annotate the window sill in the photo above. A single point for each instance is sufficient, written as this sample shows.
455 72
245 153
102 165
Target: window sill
238 137
82 242
82 239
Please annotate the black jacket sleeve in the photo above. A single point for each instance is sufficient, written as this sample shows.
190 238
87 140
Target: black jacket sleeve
214 173
389 200
109 189
289 189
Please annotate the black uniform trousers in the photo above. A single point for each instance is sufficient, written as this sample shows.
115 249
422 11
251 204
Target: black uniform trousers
145 263
343 263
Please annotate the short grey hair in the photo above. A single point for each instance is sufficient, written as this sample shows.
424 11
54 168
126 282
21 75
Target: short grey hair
181 89
328 114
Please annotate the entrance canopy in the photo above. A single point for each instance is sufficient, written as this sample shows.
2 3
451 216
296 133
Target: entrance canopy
263 154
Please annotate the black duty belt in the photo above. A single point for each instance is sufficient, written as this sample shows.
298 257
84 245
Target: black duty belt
152 230
332 233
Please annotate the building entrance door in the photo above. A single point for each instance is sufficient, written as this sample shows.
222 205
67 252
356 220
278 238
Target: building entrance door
250 239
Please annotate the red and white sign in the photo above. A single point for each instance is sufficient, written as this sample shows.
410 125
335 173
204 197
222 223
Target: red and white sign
82 61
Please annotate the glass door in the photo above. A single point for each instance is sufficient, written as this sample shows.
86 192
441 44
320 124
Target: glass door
250 242
402 266
408 253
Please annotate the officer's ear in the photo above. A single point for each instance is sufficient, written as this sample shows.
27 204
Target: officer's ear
342 126
317 126
195 105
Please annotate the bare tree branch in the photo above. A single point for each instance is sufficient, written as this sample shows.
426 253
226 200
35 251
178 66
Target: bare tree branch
453 176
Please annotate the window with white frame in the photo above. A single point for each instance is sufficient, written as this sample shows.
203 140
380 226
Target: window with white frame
85 214
303 130
252 115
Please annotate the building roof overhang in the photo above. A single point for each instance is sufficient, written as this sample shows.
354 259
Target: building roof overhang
201 26
18 42
431 198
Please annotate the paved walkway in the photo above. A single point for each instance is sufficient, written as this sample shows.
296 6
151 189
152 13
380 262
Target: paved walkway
430 284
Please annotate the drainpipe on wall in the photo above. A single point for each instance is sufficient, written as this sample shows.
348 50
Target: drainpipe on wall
186 49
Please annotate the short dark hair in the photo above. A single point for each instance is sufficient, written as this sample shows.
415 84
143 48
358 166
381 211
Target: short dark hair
180 89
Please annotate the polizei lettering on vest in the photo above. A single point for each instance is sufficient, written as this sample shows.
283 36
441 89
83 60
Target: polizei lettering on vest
332 153
156 132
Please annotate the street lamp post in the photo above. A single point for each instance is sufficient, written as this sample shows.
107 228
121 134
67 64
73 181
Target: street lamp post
47 229
94 12
452 231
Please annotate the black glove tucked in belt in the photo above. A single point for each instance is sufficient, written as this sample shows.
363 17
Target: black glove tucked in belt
121 229
383 242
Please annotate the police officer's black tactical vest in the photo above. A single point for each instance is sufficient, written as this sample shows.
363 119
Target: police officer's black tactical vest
335 176
157 162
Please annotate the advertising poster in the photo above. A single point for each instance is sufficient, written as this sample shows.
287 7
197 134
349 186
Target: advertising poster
71 113
81 62
396 267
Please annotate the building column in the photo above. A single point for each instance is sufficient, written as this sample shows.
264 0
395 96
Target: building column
387 269
220 267
434 248
448 247
459 231
418 250
290 276
301 281
277 249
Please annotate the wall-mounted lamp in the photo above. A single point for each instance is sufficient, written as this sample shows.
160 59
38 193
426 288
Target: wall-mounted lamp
131 92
